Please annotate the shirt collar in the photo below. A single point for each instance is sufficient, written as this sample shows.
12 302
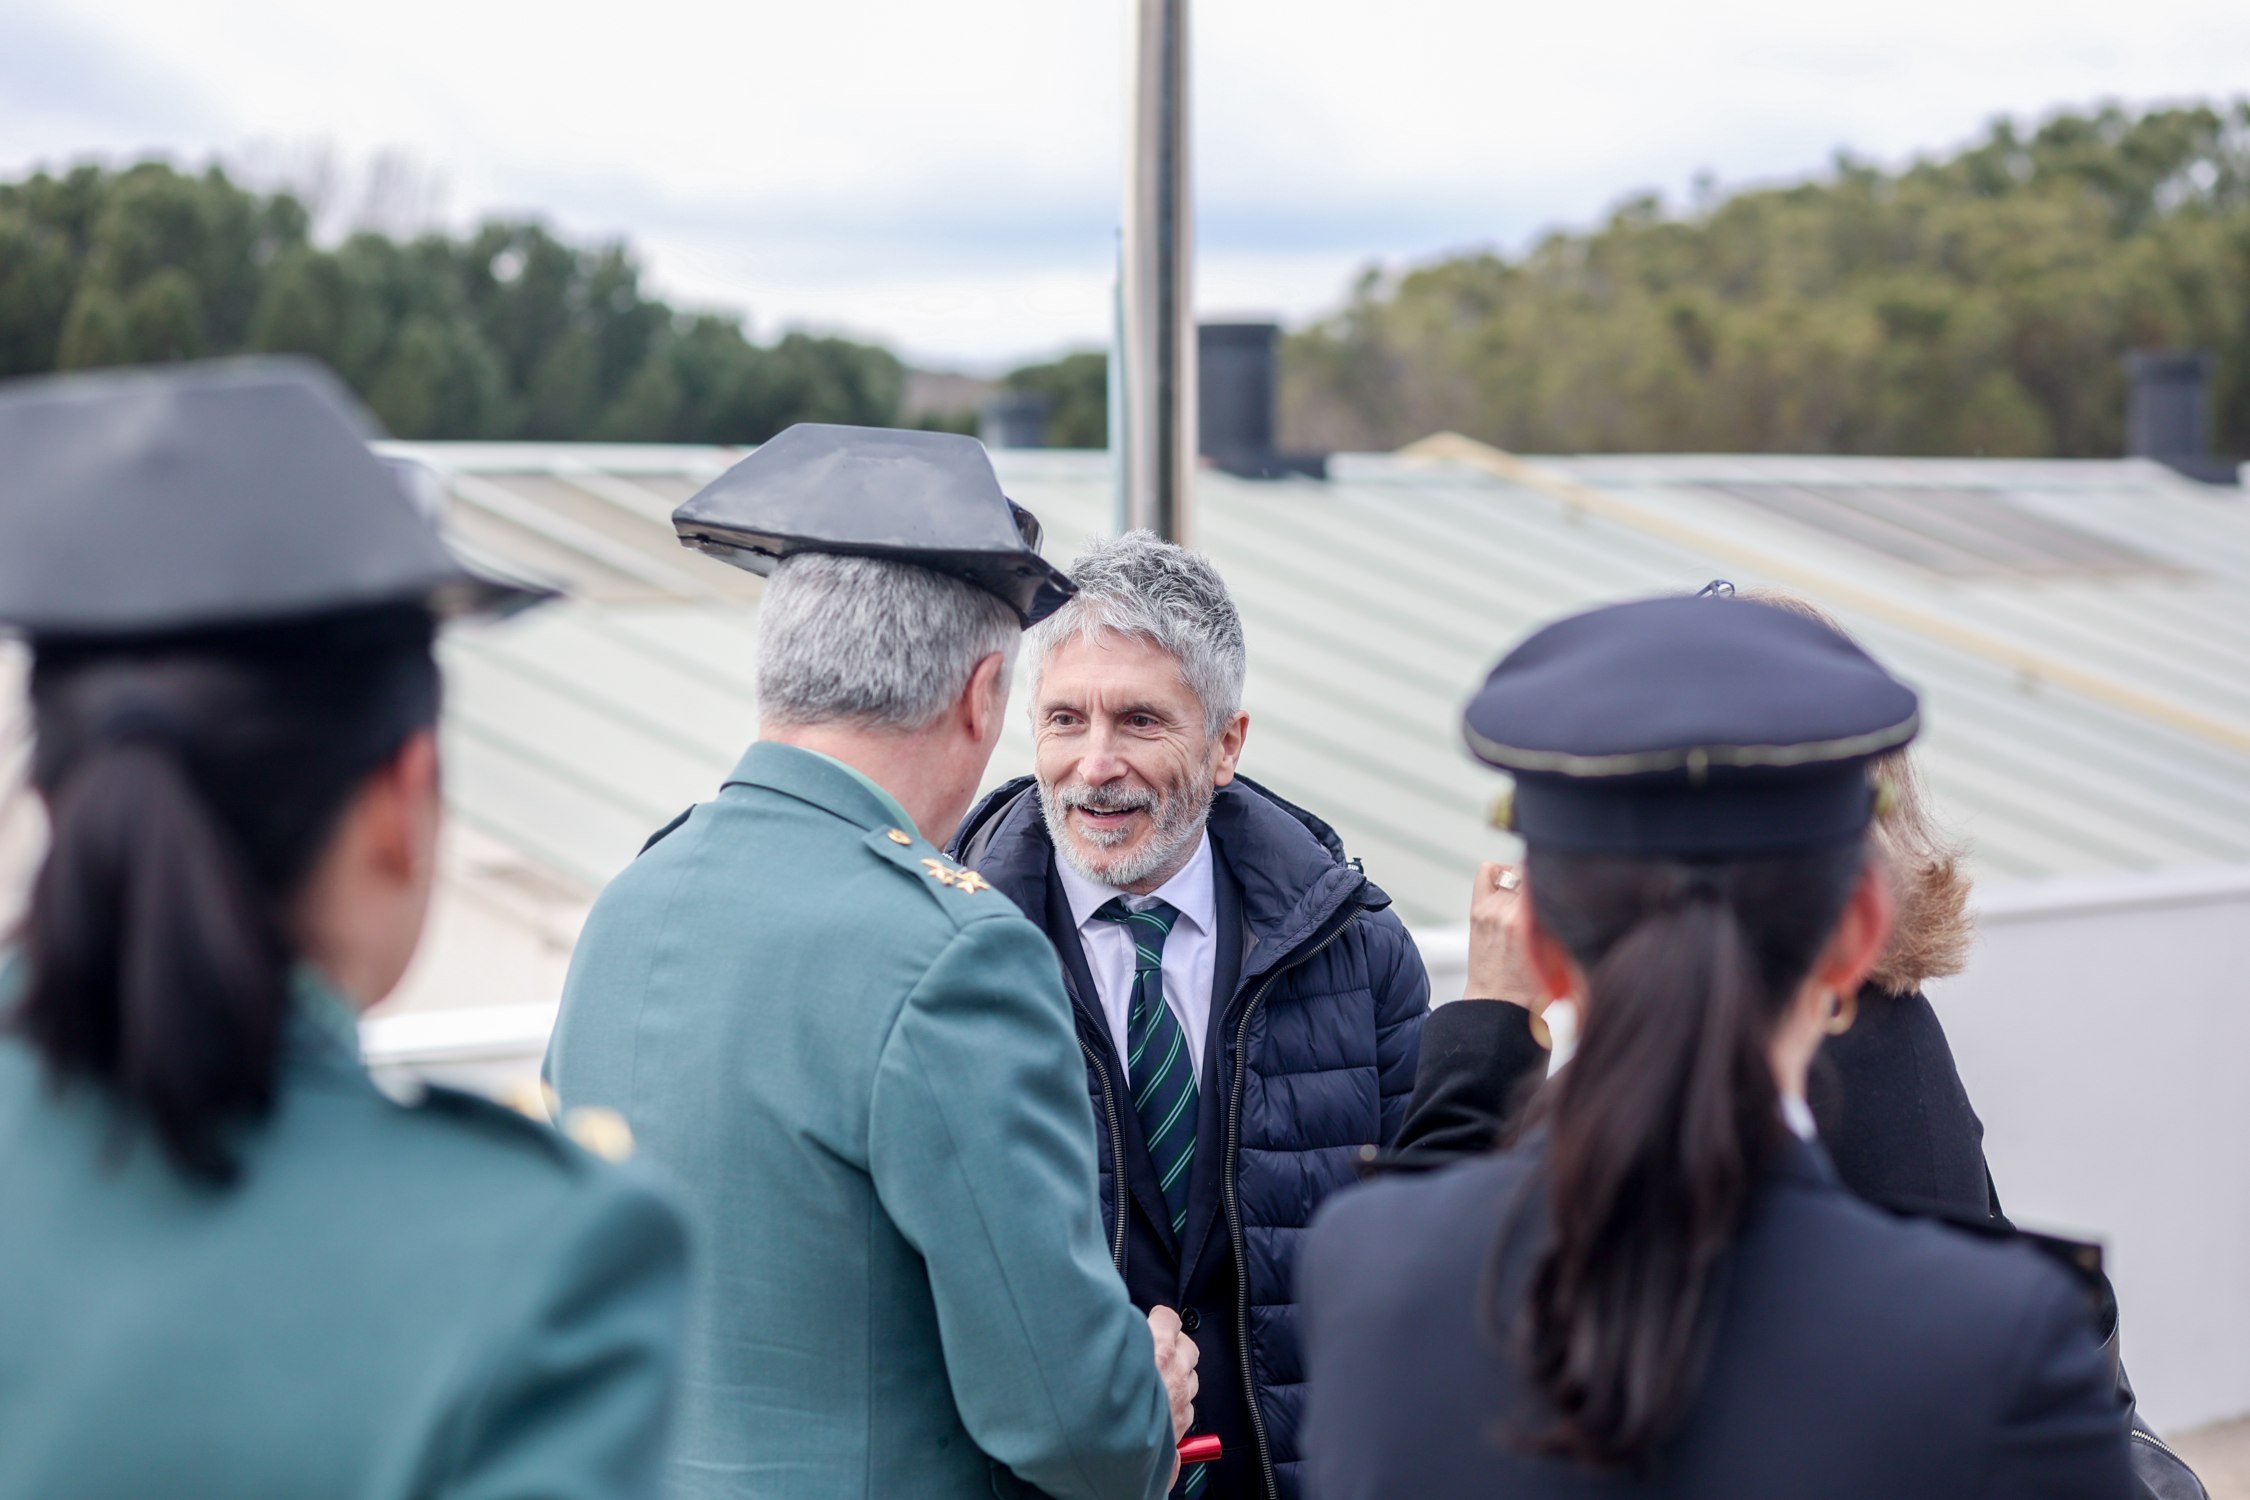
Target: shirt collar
1191 891
1798 1116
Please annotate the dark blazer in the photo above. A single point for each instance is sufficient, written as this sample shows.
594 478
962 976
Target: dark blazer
1479 1066
1855 1356
1894 1116
1892 1112
1199 1276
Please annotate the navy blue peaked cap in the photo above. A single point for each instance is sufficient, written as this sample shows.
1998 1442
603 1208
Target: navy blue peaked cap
928 498
213 496
1689 728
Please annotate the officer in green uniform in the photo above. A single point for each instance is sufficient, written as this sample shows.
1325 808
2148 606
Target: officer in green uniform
229 1266
854 1056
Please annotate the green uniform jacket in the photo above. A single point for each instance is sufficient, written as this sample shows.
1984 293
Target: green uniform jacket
444 1301
860 1068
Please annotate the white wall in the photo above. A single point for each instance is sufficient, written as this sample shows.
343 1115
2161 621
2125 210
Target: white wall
2103 1030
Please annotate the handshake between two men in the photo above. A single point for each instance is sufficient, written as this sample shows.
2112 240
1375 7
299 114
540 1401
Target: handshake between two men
868 1063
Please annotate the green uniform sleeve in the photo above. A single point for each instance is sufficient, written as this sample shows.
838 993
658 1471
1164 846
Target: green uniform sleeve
982 1150
574 1398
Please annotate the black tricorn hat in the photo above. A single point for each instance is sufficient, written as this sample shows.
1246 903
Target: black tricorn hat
1709 728
928 498
210 496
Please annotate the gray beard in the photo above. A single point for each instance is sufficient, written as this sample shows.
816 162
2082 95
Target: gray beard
1178 824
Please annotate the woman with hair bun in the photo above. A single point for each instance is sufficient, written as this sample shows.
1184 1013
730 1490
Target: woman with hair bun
1662 1289
229 1266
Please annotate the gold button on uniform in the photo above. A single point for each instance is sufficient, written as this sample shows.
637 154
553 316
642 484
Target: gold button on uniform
899 836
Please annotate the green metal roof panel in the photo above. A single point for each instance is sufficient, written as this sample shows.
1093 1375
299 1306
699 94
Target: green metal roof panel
1374 601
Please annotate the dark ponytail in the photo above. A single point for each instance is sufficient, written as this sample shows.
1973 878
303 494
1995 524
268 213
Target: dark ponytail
191 784
1661 1124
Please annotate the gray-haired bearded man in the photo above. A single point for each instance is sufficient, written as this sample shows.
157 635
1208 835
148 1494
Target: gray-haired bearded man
1249 1008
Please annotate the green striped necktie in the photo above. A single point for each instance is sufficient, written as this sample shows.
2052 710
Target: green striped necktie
1158 1064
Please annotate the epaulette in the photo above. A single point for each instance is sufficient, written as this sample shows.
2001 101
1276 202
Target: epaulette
2081 1260
530 1118
946 880
666 831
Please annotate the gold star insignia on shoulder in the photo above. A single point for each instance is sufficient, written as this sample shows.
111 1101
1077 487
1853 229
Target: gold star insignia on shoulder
534 1099
956 877
601 1131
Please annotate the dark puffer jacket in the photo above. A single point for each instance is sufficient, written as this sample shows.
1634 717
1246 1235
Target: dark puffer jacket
1320 1041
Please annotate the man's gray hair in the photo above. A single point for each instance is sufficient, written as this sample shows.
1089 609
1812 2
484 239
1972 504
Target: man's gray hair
1141 585
871 642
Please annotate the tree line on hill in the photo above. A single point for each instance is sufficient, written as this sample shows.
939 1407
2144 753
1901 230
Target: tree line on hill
504 333
1979 303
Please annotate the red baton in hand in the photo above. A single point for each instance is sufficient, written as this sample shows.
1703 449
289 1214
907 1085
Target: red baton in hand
1200 1450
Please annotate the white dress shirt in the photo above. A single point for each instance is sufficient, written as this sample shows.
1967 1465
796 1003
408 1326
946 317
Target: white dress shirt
1190 952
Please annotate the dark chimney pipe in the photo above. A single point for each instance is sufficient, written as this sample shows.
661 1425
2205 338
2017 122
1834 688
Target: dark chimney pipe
1237 391
1014 419
2168 414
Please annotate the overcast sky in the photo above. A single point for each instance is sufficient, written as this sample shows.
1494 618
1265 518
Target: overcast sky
945 176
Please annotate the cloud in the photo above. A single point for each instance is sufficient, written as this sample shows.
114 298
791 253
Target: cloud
948 176
66 92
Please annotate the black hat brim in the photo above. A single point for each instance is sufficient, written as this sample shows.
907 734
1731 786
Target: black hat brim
1030 585
234 494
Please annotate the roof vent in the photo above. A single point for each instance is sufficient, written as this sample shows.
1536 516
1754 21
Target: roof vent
1014 419
2168 414
1235 399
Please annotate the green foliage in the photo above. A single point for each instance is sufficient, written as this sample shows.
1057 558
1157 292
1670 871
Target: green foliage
96 331
963 423
507 333
1977 304
1077 390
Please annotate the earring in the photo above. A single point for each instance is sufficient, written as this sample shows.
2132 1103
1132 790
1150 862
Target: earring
1843 1010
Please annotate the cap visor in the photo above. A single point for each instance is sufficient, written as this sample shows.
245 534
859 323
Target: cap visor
480 586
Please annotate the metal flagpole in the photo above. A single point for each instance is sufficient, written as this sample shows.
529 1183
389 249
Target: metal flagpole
1156 272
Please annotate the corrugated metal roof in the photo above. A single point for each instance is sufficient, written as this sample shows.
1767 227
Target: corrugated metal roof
2080 721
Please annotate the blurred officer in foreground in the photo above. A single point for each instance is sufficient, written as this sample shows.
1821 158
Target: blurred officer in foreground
229 1266
1662 1289
853 1053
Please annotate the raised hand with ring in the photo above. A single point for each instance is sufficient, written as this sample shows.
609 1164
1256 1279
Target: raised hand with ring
1496 970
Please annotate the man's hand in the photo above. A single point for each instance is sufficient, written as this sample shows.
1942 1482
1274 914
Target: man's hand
1176 1355
1496 967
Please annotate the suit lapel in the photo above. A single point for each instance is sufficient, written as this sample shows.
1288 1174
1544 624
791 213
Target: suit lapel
1137 1171
1207 1182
